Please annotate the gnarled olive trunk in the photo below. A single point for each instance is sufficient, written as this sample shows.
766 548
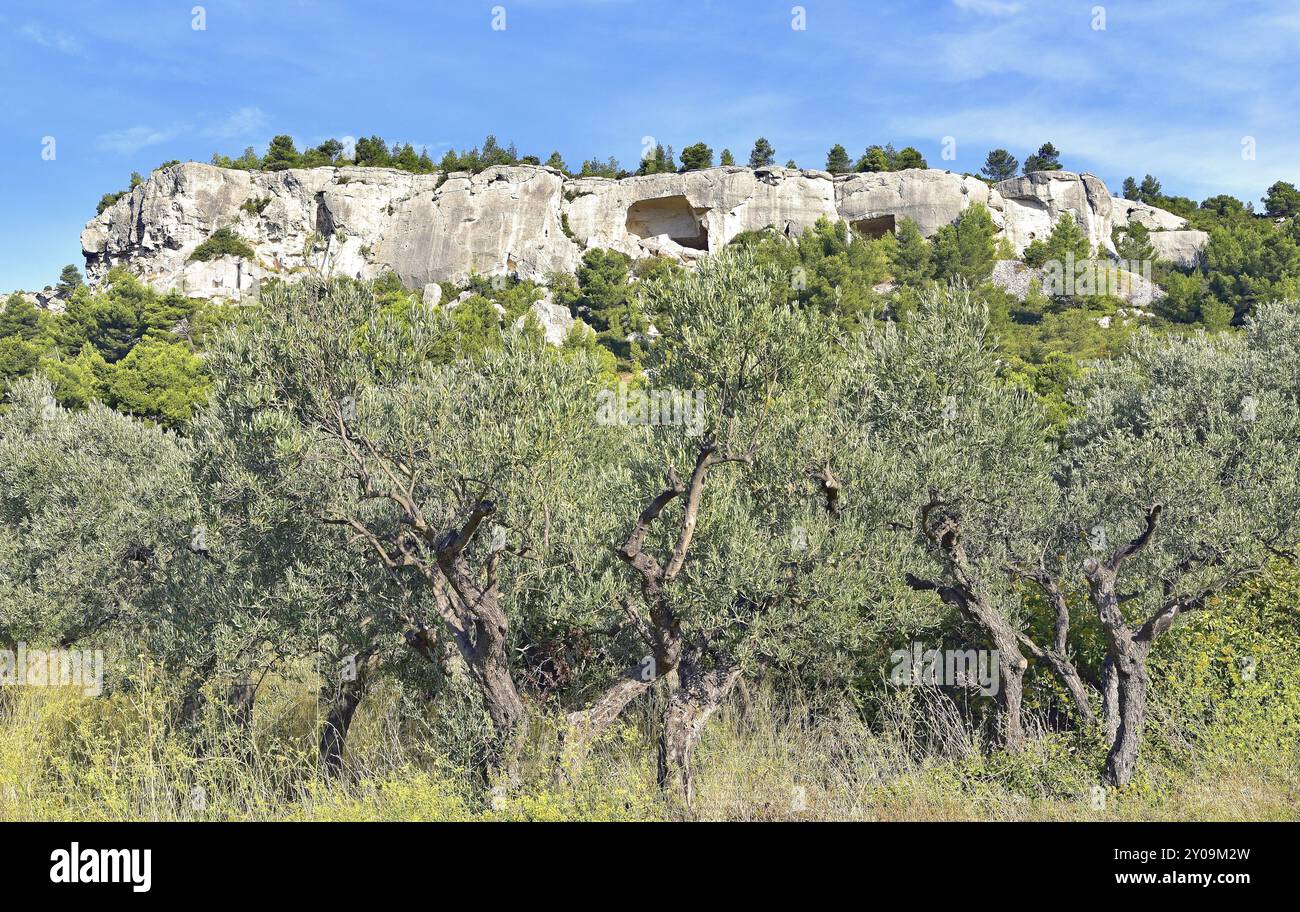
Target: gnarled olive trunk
490 670
1109 700
334 730
699 694
584 727
192 696
473 643
1056 655
664 632
1011 690
1132 682
970 593
481 628
340 700
1125 680
240 697
1074 686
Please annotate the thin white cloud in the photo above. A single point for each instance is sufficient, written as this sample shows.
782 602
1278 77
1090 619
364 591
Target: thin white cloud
1204 158
133 139
50 38
238 123
990 7
1006 48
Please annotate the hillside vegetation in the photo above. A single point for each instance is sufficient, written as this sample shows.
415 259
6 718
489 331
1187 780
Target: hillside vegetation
349 556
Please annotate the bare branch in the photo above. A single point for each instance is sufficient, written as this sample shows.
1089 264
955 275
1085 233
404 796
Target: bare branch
1137 544
694 491
632 551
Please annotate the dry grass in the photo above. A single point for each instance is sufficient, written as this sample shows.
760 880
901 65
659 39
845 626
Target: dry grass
64 756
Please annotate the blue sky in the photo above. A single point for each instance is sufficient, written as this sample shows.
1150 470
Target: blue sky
1170 88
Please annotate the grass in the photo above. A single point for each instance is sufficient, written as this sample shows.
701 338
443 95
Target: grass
765 757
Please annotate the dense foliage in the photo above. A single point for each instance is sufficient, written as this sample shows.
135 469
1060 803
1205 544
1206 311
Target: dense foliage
778 467
126 346
371 489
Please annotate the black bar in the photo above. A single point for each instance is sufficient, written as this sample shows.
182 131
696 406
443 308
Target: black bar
337 861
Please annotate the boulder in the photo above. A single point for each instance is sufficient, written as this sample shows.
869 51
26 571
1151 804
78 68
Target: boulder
555 319
1134 289
46 299
1182 248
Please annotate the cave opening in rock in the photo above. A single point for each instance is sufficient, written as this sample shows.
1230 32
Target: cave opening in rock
875 227
670 215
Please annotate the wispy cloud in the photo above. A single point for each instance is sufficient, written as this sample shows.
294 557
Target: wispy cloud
1206 157
50 38
238 123
990 7
133 139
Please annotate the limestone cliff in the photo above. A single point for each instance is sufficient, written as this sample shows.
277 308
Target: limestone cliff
526 220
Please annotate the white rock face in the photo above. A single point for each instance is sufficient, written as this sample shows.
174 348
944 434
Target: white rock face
1033 204
693 213
874 202
555 319
504 220
224 278
1182 248
524 220
1132 288
47 299
1172 241
1125 212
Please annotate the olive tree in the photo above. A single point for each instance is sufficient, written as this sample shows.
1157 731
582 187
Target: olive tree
93 506
451 477
280 586
967 459
1183 477
724 485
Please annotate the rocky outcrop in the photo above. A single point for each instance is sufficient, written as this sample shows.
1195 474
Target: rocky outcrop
1133 288
1182 248
874 202
688 215
1033 204
1125 212
50 299
1172 241
554 319
525 220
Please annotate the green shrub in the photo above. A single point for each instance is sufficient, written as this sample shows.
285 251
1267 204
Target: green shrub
223 242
